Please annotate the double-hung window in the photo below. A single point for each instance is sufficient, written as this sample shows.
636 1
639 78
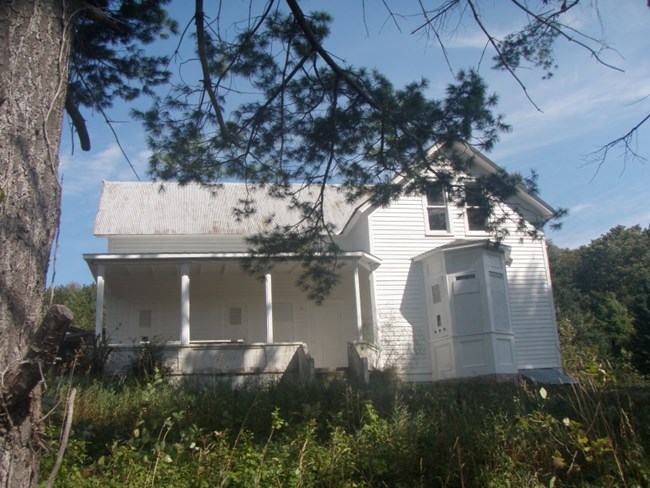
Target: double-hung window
436 209
476 209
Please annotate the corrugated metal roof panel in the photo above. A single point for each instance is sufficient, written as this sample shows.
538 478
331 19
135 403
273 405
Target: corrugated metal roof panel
149 208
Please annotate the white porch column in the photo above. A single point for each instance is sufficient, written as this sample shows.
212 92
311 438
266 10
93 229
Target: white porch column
99 300
268 297
185 304
357 302
373 306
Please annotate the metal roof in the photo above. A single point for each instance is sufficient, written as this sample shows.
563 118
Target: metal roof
525 201
151 208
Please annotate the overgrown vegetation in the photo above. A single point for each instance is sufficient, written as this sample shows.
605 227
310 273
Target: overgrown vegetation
602 298
149 362
330 434
80 299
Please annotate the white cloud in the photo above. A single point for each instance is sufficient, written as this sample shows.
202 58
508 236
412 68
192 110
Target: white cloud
85 171
473 39
581 207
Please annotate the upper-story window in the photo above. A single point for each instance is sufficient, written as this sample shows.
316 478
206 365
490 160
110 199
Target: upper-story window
436 208
477 212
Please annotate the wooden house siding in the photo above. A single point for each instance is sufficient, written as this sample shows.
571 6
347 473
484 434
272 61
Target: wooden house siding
175 243
531 305
397 234
214 289
146 290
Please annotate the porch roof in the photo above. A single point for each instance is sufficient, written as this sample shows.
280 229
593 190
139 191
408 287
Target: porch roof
459 244
365 259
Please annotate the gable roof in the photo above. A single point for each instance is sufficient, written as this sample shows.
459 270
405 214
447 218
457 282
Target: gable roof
531 207
526 202
153 208
150 208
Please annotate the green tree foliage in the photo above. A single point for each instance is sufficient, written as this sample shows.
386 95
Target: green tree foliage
80 299
108 60
613 322
273 107
641 321
618 261
299 119
603 289
567 296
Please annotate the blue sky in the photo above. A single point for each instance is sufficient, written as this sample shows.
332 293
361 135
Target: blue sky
583 106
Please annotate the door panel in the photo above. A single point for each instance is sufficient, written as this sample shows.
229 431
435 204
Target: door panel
328 336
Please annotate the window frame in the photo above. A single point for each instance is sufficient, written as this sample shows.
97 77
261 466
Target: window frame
466 212
445 206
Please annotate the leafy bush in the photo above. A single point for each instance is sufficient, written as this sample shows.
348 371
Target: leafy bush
149 361
330 434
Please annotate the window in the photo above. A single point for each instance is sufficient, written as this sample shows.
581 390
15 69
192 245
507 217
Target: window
235 316
477 212
436 207
437 296
144 318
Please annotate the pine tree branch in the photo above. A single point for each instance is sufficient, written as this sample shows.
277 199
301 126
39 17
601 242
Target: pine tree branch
203 58
78 121
560 31
318 47
494 44
625 140
245 41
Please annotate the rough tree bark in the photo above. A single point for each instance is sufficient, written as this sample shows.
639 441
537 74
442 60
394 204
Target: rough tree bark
34 52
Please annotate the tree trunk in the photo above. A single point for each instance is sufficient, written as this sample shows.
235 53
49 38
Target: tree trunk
34 53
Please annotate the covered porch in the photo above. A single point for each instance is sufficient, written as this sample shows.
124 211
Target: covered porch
210 317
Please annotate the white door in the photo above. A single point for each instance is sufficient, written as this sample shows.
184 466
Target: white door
440 328
329 335
437 305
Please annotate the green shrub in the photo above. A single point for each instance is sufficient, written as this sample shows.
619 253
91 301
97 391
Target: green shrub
149 361
330 434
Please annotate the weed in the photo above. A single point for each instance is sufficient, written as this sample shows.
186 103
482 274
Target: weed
149 361
332 434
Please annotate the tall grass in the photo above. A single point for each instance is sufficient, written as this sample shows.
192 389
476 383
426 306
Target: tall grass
331 434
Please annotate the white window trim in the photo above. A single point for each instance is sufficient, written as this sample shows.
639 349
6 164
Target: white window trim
469 232
425 215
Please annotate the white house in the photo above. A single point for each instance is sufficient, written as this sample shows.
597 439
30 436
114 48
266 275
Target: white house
422 289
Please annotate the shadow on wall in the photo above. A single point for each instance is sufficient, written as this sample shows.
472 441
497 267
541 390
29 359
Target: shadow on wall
404 335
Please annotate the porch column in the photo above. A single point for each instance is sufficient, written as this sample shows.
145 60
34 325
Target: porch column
268 297
373 306
99 300
357 302
185 304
